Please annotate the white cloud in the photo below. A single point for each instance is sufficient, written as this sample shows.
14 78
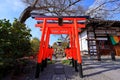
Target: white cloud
15 4
11 5
11 9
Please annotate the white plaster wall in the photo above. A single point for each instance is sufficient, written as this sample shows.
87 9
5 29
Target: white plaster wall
83 41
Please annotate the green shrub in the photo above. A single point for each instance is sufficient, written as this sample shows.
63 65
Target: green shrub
66 62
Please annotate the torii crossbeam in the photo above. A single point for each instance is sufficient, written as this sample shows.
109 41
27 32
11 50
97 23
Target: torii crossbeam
70 25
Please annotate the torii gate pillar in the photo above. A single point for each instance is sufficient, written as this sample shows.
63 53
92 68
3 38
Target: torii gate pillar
70 25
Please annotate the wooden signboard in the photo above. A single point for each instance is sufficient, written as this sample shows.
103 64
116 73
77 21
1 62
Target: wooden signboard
110 32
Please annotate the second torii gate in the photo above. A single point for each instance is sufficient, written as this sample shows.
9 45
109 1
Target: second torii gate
70 25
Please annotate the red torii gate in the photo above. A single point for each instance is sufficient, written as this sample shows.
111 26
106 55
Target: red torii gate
70 25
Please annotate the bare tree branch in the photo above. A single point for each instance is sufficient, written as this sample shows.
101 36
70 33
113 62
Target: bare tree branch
54 7
71 4
25 14
34 3
101 7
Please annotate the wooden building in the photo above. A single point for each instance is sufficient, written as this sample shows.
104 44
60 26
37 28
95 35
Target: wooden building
99 37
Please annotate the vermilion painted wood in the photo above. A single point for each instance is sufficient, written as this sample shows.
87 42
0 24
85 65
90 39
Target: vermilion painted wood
39 18
46 44
77 41
71 29
56 25
40 54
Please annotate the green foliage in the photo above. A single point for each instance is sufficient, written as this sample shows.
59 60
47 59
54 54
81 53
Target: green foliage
14 42
67 62
54 45
65 44
51 62
35 45
59 49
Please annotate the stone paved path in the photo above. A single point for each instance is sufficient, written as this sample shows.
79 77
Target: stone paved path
58 71
92 70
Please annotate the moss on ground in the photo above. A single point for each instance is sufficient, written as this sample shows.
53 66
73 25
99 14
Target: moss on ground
67 62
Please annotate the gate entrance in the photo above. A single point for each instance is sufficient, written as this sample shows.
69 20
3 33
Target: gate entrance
60 25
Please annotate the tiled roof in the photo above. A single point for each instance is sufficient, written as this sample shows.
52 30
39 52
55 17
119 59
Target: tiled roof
102 23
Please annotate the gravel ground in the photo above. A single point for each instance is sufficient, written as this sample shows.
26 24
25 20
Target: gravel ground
92 70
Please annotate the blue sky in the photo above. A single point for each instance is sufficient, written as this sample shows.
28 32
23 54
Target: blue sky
11 9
